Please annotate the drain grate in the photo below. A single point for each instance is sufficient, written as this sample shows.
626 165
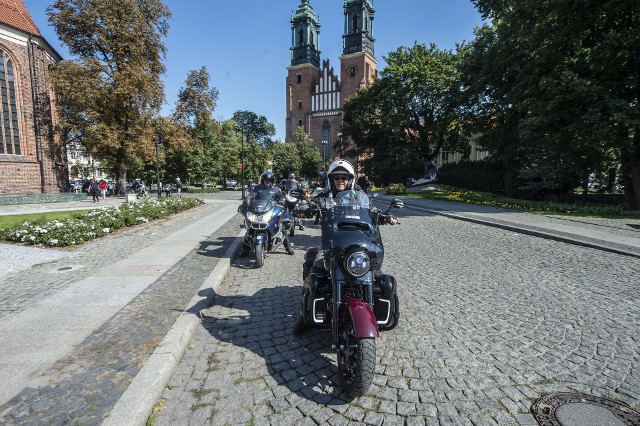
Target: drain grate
545 409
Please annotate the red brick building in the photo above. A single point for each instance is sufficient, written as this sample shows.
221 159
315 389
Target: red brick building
32 159
316 94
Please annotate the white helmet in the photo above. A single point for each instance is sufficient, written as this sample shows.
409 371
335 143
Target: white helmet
341 167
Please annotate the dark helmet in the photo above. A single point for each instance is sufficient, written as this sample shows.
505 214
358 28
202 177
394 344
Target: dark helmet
341 167
267 175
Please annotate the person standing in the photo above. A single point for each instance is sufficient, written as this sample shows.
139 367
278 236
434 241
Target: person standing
94 187
103 188
178 188
364 184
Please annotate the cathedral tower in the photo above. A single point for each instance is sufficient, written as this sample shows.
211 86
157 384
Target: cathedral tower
315 94
357 63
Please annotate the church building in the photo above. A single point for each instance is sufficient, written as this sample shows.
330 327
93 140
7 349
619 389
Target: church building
32 158
315 91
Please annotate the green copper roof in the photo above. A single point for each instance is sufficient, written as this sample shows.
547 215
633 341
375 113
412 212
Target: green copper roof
367 2
305 11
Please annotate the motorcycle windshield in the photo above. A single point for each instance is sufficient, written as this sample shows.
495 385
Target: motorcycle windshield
348 221
261 200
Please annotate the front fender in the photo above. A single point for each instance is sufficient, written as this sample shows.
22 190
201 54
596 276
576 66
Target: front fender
365 325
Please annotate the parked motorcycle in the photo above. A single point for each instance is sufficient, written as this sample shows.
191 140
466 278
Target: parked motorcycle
344 290
266 222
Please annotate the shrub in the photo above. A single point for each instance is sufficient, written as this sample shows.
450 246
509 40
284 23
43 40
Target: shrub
96 223
396 188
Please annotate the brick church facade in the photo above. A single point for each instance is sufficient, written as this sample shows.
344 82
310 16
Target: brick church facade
315 93
32 158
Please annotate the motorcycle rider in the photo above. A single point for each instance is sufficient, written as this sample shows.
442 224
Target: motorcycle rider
267 180
341 177
291 184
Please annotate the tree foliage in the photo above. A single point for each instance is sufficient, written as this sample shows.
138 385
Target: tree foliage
109 95
255 125
408 115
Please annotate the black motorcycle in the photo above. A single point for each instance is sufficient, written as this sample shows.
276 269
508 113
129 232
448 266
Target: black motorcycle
344 289
266 222
298 204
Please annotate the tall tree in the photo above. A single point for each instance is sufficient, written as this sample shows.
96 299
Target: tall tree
255 125
408 115
109 94
578 83
197 100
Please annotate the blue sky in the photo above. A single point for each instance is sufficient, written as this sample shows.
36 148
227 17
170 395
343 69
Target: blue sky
245 44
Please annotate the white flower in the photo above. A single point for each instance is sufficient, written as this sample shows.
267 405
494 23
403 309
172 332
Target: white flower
32 238
53 242
105 230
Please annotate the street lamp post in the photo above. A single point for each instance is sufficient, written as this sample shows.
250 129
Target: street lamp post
324 154
242 158
158 141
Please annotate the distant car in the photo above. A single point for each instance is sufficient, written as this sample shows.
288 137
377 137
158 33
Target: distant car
231 183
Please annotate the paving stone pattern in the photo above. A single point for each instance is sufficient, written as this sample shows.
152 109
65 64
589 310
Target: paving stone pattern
491 320
84 387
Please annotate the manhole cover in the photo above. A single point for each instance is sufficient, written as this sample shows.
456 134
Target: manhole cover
575 409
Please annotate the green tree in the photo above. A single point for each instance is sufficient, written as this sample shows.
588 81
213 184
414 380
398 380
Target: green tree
257 126
408 115
285 160
574 75
110 93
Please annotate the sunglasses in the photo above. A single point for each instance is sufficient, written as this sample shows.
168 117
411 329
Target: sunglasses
341 178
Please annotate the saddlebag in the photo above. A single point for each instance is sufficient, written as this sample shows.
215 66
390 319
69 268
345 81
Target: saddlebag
317 287
386 308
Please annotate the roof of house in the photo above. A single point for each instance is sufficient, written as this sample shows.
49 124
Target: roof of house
15 14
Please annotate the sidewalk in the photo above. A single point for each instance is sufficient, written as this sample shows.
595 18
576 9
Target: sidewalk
32 340
621 236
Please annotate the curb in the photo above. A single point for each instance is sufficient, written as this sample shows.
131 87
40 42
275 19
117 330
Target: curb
136 404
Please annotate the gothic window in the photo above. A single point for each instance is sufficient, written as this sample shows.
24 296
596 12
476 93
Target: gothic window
354 25
299 78
300 37
299 104
9 131
326 141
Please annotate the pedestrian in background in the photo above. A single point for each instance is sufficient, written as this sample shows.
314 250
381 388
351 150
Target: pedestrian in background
178 187
103 188
95 190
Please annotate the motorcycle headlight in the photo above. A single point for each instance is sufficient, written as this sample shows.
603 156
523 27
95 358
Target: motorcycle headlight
252 217
357 264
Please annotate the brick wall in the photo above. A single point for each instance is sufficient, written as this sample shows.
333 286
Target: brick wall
24 174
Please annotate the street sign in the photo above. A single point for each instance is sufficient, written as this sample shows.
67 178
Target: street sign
239 165
189 169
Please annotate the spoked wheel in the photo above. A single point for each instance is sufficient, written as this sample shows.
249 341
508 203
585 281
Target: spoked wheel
259 255
356 360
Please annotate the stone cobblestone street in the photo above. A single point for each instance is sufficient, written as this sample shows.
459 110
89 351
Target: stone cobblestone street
490 321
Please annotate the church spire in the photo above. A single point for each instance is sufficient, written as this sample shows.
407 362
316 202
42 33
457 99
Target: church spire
305 36
358 27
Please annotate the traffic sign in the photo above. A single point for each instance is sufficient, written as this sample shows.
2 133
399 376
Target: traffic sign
189 169
239 165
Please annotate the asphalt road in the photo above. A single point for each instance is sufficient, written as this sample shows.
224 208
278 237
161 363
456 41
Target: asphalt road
490 321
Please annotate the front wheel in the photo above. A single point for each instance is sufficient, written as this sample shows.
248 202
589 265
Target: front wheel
259 256
356 361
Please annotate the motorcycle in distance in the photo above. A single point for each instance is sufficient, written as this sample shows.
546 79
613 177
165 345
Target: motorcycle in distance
266 222
344 290
298 203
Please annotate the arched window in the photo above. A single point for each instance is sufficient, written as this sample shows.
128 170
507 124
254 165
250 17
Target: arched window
300 37
326 141
9 131
354 25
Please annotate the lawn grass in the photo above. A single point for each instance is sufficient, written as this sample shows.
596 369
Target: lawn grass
594 210
9 221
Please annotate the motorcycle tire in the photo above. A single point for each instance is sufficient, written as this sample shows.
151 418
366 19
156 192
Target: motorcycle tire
259 256
356 361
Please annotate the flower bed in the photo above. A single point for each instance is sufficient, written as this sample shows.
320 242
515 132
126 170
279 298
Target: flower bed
95 223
